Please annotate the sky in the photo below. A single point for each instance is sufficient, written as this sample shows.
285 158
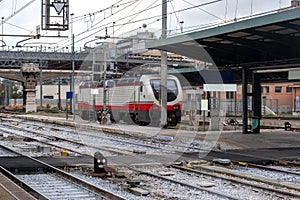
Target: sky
121 18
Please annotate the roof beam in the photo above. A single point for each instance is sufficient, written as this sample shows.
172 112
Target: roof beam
289 41
253 45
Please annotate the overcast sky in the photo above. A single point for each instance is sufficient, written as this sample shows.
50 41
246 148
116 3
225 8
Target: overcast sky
128 15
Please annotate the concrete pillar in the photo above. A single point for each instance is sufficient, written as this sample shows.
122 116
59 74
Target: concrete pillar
31 74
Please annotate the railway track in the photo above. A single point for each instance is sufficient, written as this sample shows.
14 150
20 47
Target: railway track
278 189
223 187
209 193
144 144
120 145
71 143
53 183
283 174
37 131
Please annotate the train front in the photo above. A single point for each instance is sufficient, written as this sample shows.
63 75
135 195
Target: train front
174 97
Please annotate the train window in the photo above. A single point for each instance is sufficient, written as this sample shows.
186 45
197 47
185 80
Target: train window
141 86
122 82
110 83
171 86
86 84
155 85
131 80
100 84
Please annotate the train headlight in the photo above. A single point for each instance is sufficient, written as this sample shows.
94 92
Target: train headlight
176 107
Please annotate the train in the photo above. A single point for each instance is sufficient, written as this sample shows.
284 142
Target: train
131 99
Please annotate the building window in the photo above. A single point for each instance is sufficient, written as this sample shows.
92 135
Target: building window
266 89
278 89
229 95
289 90
48 97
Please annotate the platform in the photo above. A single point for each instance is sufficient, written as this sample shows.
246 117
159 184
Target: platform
10 191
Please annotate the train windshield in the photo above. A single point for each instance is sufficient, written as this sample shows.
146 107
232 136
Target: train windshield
171 86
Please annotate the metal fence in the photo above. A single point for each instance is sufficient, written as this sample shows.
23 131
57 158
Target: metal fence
234 107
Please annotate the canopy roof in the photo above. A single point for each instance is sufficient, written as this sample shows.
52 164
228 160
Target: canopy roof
263 42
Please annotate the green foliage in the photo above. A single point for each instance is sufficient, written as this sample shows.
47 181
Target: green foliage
48 106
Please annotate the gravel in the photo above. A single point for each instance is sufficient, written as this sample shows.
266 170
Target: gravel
223 186
271 174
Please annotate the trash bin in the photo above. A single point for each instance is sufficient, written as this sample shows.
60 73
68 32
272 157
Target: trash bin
287 126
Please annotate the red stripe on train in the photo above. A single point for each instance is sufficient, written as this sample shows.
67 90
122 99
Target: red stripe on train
131 107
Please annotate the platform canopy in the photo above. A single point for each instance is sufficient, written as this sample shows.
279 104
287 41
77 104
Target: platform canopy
263 42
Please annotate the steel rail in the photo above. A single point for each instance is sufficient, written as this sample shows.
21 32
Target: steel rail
239 181
73 179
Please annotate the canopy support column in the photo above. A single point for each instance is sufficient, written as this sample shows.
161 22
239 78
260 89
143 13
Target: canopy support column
256 102
245 98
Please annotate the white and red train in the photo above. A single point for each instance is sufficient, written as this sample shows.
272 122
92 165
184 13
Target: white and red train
132 99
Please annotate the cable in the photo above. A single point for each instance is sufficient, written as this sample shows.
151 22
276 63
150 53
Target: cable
91 29
18 27
99 11
16 12
251 11
226 10
204 10
177 17
127 16
16 5
103 20
139 13
131 22
236 9
156 15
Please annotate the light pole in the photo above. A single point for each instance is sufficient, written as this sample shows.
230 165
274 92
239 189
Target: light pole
164 68
2 20
73 69
104 86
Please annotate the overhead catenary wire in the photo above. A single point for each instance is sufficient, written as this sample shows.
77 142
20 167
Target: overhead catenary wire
18 11
236 10
116 5
122 18
226 10
108 25
30 31
138 14
176 16
251 8
82 17
203 10
90 29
